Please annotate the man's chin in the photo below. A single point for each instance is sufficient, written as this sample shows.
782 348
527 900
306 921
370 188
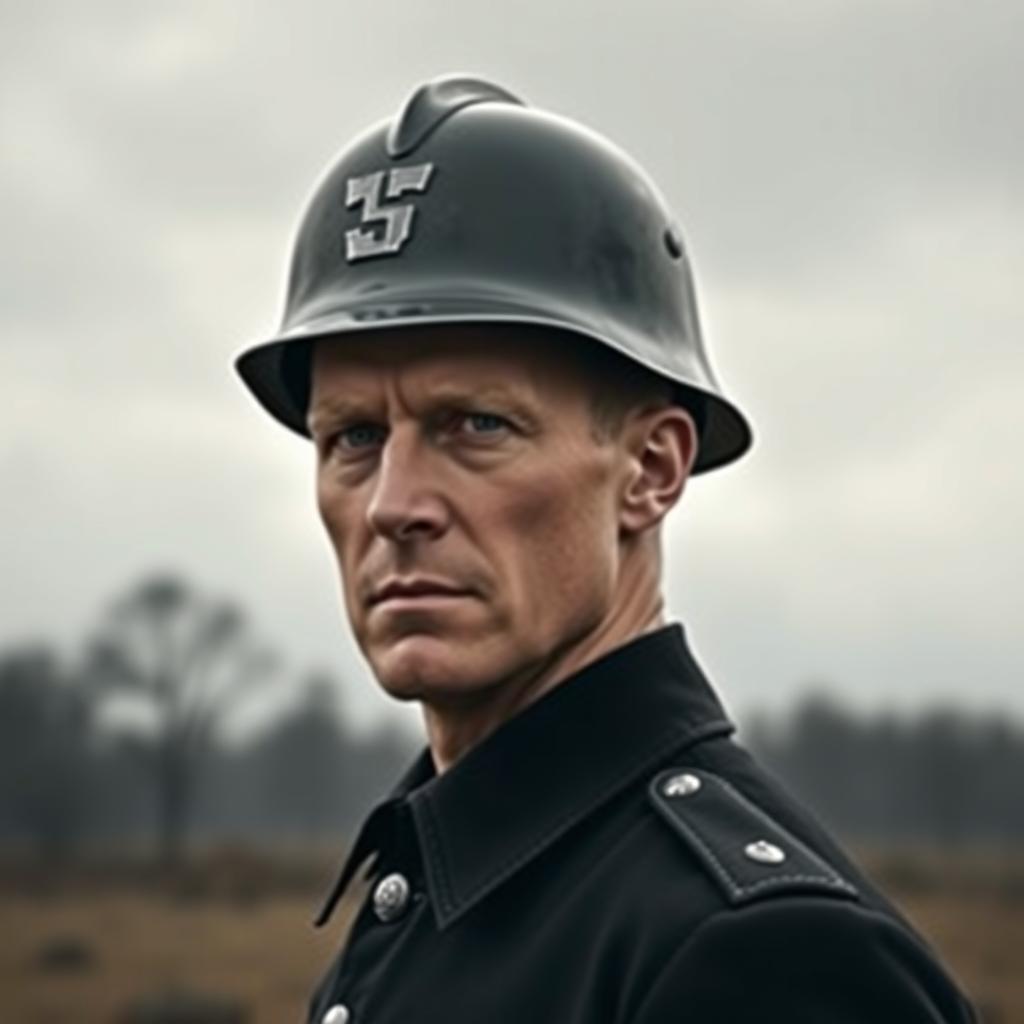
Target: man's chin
421 666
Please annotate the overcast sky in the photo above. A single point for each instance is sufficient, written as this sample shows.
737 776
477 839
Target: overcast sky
849 175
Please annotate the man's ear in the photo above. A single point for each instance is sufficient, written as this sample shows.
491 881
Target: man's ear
661 447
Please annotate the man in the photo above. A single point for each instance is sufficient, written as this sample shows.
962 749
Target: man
492 340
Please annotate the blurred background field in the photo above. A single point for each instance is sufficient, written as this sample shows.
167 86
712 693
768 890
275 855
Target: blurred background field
154 870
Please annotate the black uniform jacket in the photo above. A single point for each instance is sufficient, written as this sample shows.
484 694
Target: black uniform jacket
611 856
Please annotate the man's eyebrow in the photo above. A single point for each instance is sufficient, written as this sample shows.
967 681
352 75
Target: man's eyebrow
333 410
330 410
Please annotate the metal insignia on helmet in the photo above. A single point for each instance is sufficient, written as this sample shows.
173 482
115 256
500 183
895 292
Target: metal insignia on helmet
394 222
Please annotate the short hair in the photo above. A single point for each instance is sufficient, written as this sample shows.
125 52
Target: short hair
619 385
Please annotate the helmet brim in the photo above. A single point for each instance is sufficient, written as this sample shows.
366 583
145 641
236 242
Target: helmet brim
277 371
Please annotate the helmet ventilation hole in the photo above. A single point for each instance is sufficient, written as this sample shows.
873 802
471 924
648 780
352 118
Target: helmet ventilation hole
673 243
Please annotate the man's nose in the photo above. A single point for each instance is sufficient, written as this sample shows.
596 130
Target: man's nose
406 503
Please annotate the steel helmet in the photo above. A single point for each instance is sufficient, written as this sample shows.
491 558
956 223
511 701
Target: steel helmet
471 206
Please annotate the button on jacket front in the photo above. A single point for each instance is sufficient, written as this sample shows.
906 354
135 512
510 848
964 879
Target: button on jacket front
611 856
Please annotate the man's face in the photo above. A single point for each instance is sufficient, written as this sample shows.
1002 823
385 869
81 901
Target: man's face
472 511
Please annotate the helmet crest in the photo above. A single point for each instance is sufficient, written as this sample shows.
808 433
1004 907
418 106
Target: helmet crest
432 102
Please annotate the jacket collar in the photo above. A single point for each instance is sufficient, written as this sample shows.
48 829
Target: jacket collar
511 796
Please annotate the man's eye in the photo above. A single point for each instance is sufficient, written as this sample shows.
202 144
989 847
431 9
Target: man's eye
359 436
484 423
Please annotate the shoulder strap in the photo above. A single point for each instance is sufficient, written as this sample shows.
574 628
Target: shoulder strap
748 853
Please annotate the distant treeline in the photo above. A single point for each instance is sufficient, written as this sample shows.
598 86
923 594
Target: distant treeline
70 776
943 776
67 779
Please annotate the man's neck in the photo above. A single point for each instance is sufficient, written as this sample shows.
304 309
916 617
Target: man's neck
451 731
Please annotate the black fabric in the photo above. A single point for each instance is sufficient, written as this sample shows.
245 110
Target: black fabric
548 887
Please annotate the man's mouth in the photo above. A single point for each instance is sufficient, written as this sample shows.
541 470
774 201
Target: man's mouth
414 590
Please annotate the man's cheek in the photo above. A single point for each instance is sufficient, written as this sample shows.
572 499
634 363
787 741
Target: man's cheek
529 510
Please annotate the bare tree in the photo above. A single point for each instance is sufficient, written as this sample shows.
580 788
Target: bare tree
186 662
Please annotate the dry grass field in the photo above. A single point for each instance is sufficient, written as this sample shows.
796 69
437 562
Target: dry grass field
83 945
